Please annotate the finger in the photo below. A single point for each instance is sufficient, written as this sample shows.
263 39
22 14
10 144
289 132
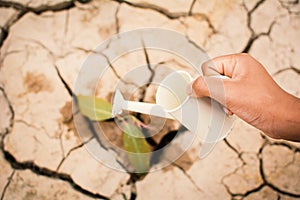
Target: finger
220 65
210 87
198 88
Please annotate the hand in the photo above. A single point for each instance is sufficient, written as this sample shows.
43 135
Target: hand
251 94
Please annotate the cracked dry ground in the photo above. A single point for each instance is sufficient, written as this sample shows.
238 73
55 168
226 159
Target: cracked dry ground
42 46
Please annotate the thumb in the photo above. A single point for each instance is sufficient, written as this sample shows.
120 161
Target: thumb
209 86
198 88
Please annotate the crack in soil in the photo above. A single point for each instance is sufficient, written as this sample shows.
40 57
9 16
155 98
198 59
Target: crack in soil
247 193
191 7
263 176
24 122
291 147
133 193
35 168
48 173
117 21
195 44
257 189
12 115
112 67
163 11
23 9
7 184
292 3
167 13
239 154
188 177
254 36
39 9
132 182
211 27
61 142
71 150
226 186
106 58
143 89
109 64
122 193
5 29
294 69
68 88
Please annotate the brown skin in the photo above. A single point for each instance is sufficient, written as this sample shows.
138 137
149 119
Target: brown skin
251 94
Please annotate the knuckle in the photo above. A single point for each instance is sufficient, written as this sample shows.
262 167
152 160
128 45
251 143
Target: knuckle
199 86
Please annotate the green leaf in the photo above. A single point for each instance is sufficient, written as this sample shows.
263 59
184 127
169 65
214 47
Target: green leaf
137 147
94 108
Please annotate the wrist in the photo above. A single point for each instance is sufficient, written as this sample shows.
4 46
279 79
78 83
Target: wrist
285 122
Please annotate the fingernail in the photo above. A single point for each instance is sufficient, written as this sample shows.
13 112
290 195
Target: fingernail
228 112
189 89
